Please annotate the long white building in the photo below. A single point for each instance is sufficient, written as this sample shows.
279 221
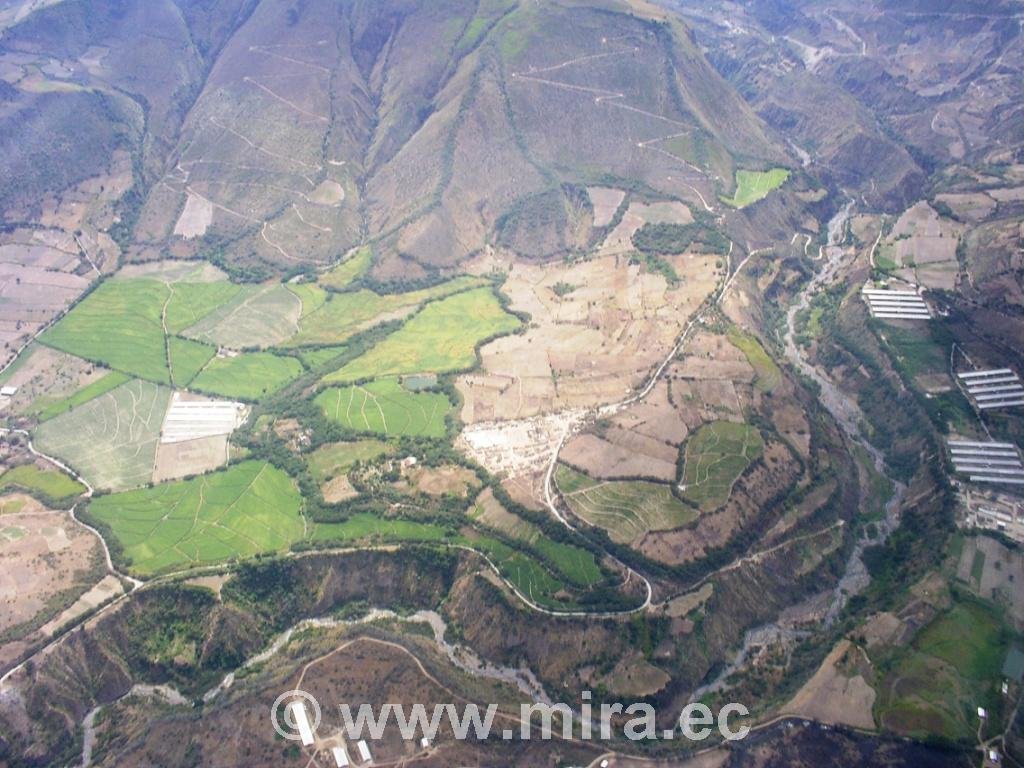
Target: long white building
987 462
991 389
896 305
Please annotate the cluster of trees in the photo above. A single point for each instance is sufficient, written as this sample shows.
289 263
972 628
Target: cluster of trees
663 239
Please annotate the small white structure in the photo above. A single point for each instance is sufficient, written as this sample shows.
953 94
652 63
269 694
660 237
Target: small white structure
424 742
301 721
340 757
408 462
981 713
364 751
8 391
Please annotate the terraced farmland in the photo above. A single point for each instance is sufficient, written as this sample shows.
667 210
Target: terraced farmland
626 509
576 565
247 376
386 408
716 455
110 440
247 509
442 337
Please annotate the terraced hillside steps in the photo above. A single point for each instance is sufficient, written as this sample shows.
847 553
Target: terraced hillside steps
987 462
992 389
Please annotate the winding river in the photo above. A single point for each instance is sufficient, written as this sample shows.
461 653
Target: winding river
855 576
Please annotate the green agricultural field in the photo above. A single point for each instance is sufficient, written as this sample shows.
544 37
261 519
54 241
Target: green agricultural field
626 509
716 455
257 316
85 394
311 296
386 408
187 359
346 272
526 573
577 566
110 440
768 374
372 529
119 325
442 337
334 459
47 483
239 512
344 314
191 302
247 376
952 667
752 186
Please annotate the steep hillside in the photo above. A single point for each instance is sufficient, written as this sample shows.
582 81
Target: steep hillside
277 135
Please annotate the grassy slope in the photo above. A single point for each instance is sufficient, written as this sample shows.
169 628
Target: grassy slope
752 186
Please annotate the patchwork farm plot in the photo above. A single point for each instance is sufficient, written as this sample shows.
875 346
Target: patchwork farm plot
110 440
259 316
247 509
716 455
626 509
386 408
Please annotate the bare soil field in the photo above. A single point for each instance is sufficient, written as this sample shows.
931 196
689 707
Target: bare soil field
439 481
587 347
621 455
995 572
195 218
620 239
47 561
29 298
44 375
838 693
189 457
606 202
923 246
